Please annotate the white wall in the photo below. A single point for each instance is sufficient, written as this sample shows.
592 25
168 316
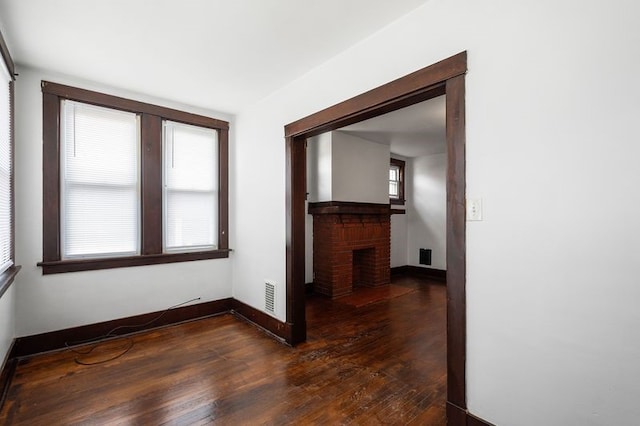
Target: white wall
319 168
52 302
360 170
399 237
552 271
343 167
319 161
426 188
7 319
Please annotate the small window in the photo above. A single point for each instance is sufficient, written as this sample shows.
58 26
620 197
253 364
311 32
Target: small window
396 181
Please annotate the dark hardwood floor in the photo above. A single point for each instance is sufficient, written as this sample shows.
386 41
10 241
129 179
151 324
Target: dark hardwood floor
382 362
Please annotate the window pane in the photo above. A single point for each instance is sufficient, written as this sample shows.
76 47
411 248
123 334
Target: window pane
112 227
190 187
189 220
5 171
393 173
393 189
100 205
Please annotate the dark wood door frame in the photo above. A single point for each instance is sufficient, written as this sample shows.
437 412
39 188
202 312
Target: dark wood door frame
444 77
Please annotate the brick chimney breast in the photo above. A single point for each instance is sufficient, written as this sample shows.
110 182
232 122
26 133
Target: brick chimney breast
351 246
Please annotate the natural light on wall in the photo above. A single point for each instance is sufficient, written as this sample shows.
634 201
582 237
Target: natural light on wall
5 170
100 181
190 187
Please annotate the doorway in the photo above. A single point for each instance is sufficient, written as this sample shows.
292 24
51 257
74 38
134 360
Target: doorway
446 77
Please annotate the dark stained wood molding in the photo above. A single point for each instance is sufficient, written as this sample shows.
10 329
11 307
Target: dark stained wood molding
420 272
457 416
296 188
381 98
110 101
7 277
374 111
456 243
223 188
476 421
445 77
6 56
397 211
75 265
279 329
6 374
6 377
151 183
309 288
399 271
55 340
50 177
348 207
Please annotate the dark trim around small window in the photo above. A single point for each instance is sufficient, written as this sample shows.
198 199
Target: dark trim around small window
400 200
151 117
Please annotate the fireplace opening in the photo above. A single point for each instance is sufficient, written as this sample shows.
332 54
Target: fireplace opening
363 268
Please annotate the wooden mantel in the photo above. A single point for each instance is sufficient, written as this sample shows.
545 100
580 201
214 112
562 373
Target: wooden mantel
348 207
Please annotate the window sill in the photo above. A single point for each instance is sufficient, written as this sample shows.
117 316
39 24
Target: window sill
60 266
7 277
396 201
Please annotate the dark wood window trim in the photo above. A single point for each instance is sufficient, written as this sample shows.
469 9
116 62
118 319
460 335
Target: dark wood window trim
151 117
7 277
400 164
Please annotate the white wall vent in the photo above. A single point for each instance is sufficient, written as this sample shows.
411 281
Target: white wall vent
270 297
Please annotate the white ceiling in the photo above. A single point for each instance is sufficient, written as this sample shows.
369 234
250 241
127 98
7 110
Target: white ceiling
217 54
413 131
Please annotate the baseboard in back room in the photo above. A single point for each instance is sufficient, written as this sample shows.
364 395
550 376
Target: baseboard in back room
308 288
420 272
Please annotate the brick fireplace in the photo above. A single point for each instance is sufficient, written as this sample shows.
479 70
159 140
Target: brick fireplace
351 246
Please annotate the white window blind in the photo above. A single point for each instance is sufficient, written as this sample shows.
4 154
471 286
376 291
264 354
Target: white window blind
5 170
394 181
100 207
190 194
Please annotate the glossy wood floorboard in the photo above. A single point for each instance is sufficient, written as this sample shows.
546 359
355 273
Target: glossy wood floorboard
379 363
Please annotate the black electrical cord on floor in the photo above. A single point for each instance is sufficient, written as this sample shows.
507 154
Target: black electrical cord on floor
110 334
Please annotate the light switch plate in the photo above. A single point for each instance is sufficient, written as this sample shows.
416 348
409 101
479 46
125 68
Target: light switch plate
474 209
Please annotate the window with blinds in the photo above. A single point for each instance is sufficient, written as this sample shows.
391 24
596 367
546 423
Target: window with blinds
128 183
5 170
99 182
190 190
